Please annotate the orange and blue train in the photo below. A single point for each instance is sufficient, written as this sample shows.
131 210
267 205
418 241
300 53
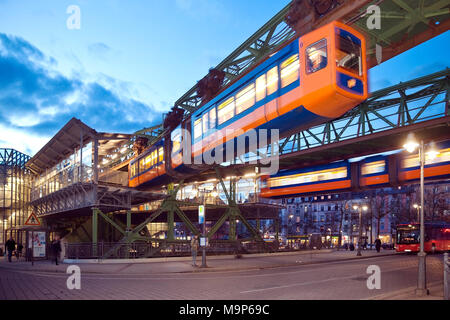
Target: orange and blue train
310 80
371 172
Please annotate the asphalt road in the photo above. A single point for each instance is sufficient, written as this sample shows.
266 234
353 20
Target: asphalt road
333 280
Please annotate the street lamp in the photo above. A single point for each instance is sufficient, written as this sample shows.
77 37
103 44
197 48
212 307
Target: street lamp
411 145
360 208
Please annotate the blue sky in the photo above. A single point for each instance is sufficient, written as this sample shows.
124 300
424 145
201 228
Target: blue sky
131 60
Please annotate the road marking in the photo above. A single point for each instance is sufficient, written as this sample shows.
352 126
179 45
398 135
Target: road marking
315 281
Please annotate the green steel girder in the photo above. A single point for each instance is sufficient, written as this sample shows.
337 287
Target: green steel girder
398 106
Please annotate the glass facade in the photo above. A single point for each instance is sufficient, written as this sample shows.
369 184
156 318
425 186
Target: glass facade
74 169
14 194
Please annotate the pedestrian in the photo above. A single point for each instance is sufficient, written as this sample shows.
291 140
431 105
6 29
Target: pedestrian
10 246
19 250
378 244
365 244
56 248
352 247
194 248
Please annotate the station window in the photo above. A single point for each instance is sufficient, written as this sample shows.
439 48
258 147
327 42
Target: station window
197 128
212 118
160 154
245 98
261 88
289 70
226 110
316 56
272 81
205 122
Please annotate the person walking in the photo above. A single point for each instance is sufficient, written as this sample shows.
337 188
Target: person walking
194 248
378 245
10 246
56 248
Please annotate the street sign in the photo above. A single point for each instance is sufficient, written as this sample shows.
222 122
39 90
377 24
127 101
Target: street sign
32 220
201 214
203 241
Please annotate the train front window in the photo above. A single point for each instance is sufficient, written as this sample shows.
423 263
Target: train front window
348 52
316 56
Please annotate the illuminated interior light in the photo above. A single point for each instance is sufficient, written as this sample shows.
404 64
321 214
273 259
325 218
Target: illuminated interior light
351 83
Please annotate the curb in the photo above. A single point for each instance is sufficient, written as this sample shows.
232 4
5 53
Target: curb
188 258
407 292
212 269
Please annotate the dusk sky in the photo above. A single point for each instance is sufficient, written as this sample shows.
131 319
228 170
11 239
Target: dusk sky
131 60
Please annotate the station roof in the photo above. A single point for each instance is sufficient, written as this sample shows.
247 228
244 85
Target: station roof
67 139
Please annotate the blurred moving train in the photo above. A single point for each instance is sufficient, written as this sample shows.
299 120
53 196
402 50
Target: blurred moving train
310 80
376 171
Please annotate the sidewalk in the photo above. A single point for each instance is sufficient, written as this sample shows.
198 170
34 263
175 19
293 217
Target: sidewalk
436 292
183 264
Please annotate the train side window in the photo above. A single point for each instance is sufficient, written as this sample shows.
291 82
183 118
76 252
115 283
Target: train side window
154 157
160 154
289 70
205 121
142 165
212 118
133 170
245 98
316 56
197 128
226 110
176 141
272 80
261 87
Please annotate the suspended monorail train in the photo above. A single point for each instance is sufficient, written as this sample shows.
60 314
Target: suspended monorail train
311 80
371 172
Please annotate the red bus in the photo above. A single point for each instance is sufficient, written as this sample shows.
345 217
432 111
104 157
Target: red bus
437 237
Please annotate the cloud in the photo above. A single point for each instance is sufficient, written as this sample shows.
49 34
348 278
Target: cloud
99 50
36 101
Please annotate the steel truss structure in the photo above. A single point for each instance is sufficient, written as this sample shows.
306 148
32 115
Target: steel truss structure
402 105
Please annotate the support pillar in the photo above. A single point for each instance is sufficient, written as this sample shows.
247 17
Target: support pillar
170 222
94 231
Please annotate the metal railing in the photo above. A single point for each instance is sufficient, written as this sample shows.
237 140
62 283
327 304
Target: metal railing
160 249
446 272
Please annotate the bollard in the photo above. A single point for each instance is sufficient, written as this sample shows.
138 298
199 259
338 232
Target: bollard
446 271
